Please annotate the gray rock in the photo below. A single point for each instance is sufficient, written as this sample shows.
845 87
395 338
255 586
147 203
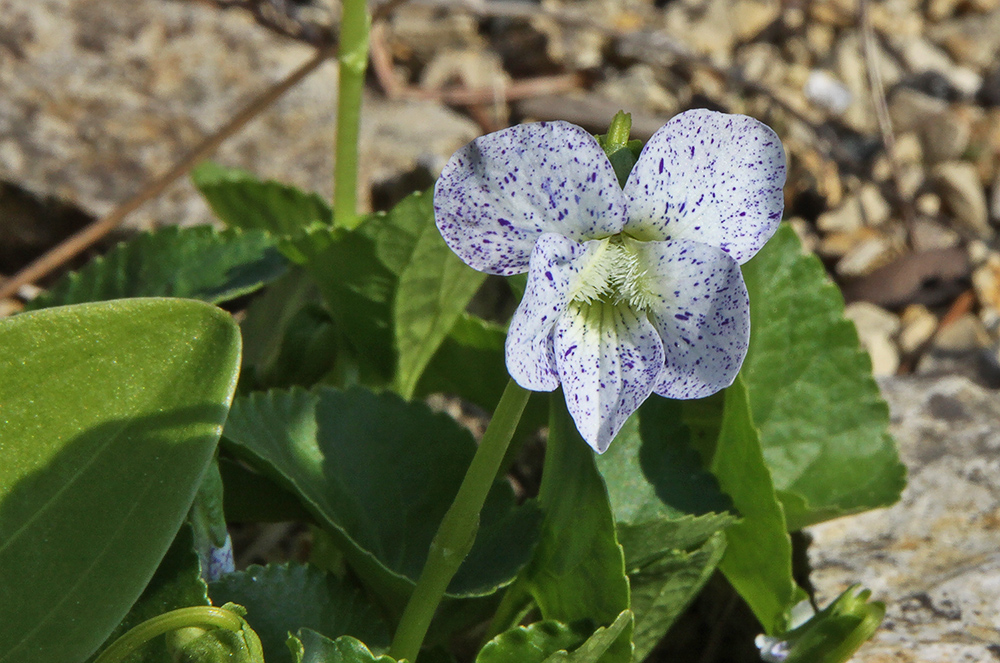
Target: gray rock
933 557
102 97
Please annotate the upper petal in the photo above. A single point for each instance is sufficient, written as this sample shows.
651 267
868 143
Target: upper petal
608 360
700 308
500 192
709 177
530 361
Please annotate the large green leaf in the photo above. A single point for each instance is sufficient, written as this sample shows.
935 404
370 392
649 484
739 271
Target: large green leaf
176 584
578 571
308 646
376 471
109 415
758 559
242 200
669 513
285 598
823 424
197 262
395 289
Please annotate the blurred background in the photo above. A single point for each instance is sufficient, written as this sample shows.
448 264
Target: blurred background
889 111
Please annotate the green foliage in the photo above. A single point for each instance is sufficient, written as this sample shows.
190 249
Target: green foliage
176 584
669 513
823 424
603 645
284 598
241 200
394 288
196 263
308 646
578 571
531 644
758 559
375 471
109 415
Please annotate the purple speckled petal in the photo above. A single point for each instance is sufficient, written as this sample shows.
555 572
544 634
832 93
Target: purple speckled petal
608 360
500 192
701 310
709 177
529 341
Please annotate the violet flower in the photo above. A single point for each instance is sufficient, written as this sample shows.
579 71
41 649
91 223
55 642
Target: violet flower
629 292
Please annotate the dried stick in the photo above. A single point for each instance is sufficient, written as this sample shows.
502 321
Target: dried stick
76 244
884 121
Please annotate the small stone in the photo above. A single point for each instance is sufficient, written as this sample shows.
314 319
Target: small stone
945 136
962 193
928 204
866 208
825 91
876 327
964 334
838 244
995 200
872 320
750 17
804 230
979 252
986 281
908 148
940 9
928 235
918 326
972 39
866 257
911 110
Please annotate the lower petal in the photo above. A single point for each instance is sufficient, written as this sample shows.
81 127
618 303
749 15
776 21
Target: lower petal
699 305
608 360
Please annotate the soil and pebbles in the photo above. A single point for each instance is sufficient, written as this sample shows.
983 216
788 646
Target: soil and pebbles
889 112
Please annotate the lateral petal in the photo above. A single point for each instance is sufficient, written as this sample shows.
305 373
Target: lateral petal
530 359
700 308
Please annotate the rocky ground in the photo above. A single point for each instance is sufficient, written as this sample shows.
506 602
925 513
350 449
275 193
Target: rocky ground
889 112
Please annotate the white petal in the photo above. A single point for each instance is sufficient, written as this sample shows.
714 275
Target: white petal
500 192
709 177
529 340
699 306
608 360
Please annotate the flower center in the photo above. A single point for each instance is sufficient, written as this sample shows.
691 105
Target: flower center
613 273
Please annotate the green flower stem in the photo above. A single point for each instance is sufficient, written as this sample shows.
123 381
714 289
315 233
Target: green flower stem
353 59
457 531
200 616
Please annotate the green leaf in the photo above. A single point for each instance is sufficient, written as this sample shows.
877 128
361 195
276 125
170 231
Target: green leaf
758 559
241 200
602 645
375 471
308 646
285 598
669 513
109 415
197 263
434 288
578 571
823 424
249 496
470 364
531 644
664 586
176 584
394 288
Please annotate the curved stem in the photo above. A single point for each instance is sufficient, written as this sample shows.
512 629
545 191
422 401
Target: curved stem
457 531
353 59
200 616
